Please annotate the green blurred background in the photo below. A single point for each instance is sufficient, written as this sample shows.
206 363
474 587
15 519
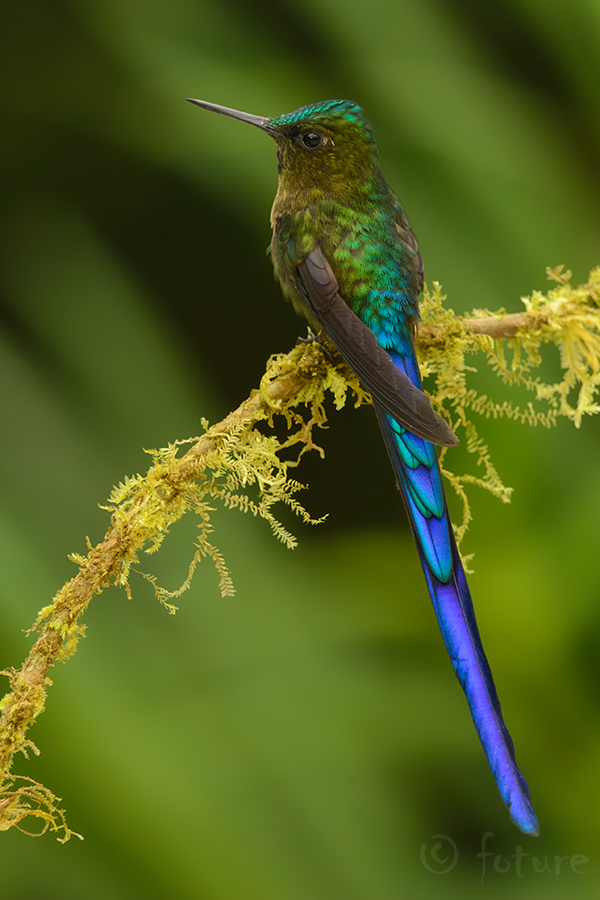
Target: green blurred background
304 739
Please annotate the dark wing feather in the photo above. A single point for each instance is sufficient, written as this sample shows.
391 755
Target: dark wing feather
356 343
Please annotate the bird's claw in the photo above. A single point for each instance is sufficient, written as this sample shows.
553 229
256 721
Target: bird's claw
315 339
312 337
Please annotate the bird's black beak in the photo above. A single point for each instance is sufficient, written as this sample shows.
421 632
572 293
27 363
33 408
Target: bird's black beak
258 121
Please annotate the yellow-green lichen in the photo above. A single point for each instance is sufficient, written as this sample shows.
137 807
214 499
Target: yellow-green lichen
243 454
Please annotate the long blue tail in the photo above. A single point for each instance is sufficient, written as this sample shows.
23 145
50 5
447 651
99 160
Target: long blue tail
419 479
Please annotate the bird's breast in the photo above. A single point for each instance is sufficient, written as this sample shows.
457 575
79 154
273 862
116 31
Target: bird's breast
370 254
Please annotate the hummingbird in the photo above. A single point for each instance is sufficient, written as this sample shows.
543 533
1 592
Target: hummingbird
345 255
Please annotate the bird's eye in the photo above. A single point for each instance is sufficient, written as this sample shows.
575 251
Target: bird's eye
312 140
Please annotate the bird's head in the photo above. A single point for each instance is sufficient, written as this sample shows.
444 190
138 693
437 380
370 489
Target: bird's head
328 148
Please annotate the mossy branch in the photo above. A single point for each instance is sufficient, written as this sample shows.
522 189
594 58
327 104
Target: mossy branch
235 454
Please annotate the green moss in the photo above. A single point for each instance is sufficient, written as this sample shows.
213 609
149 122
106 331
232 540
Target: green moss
566 316
235 457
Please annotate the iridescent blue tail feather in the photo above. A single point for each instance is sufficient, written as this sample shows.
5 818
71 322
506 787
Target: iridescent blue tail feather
419 479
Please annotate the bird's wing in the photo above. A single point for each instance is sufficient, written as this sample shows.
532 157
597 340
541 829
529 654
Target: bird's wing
356 343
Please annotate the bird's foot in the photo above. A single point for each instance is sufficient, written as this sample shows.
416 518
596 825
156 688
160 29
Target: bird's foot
312 337
315 339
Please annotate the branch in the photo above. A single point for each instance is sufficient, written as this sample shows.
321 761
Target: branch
290 378
498 327
234 453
